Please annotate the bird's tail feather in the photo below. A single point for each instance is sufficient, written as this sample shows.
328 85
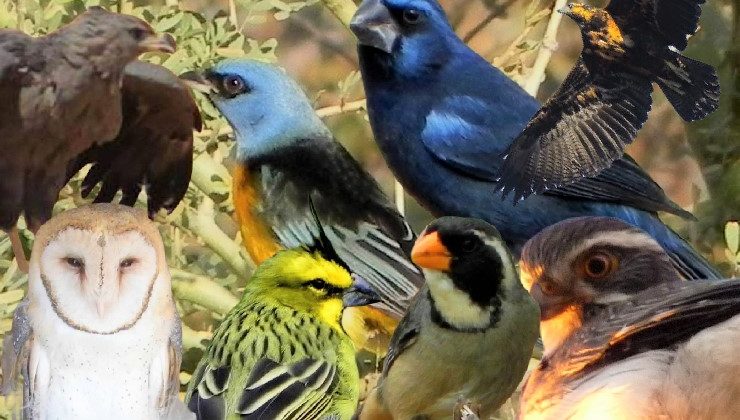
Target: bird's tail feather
691 86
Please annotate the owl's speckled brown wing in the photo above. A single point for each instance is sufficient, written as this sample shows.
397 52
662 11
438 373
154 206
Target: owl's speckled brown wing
579 132
154 148
676 20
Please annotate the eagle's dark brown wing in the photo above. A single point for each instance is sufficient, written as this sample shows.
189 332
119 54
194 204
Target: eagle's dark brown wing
154 148
579 132
19 66
674 19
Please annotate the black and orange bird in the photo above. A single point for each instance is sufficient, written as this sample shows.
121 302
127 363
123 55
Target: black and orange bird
77 96
604 101
624 336
288 162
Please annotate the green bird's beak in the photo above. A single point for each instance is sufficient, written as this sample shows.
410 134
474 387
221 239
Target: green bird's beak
360 293
199 82
374 26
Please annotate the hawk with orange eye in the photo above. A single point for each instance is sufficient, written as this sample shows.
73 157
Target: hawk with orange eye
624 336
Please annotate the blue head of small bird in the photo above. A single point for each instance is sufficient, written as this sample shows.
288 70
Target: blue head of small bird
266 108
414 34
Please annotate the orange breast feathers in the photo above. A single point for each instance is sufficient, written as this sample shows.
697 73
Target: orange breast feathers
258 238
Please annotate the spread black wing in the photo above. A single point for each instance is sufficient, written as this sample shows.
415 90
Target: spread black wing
579 132
674 19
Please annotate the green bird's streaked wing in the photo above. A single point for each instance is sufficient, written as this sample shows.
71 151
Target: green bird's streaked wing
300 390
207 399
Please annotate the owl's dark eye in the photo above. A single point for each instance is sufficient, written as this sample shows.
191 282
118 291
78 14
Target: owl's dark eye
233 85
127 262
411 16
75 262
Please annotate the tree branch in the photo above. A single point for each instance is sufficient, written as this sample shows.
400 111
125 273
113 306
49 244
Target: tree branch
203 226
329 111
549 44
495 12
202 291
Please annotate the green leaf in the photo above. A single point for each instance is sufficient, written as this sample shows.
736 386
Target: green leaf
732 236
168 23
11 296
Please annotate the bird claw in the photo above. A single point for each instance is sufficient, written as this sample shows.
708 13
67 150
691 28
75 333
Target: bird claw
466 410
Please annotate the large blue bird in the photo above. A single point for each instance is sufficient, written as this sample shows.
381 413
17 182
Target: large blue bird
443 117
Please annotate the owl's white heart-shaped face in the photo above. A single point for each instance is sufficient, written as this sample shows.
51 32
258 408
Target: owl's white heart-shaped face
98 281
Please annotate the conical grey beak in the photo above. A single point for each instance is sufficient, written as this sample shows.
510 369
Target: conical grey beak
360 293
197 81
374 26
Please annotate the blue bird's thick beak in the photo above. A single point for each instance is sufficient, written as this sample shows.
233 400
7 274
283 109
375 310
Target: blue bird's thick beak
374 26
360 293
198 81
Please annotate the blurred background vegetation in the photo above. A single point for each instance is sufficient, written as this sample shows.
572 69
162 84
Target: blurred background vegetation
698 164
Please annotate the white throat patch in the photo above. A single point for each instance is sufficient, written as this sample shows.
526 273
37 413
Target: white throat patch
455 306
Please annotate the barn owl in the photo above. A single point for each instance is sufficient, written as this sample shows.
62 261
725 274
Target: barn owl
98 335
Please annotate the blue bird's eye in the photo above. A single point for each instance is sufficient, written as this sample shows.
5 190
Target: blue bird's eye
411 16
232 86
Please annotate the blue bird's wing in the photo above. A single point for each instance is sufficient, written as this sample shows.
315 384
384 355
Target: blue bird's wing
458 134
622 183
462 133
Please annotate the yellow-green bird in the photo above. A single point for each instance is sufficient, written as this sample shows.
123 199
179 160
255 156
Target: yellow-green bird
281 353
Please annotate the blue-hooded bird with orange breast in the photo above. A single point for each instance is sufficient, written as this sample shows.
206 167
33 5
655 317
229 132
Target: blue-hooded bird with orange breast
443 117
291 171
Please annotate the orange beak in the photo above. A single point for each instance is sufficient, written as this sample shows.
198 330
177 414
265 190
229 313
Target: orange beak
429 252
